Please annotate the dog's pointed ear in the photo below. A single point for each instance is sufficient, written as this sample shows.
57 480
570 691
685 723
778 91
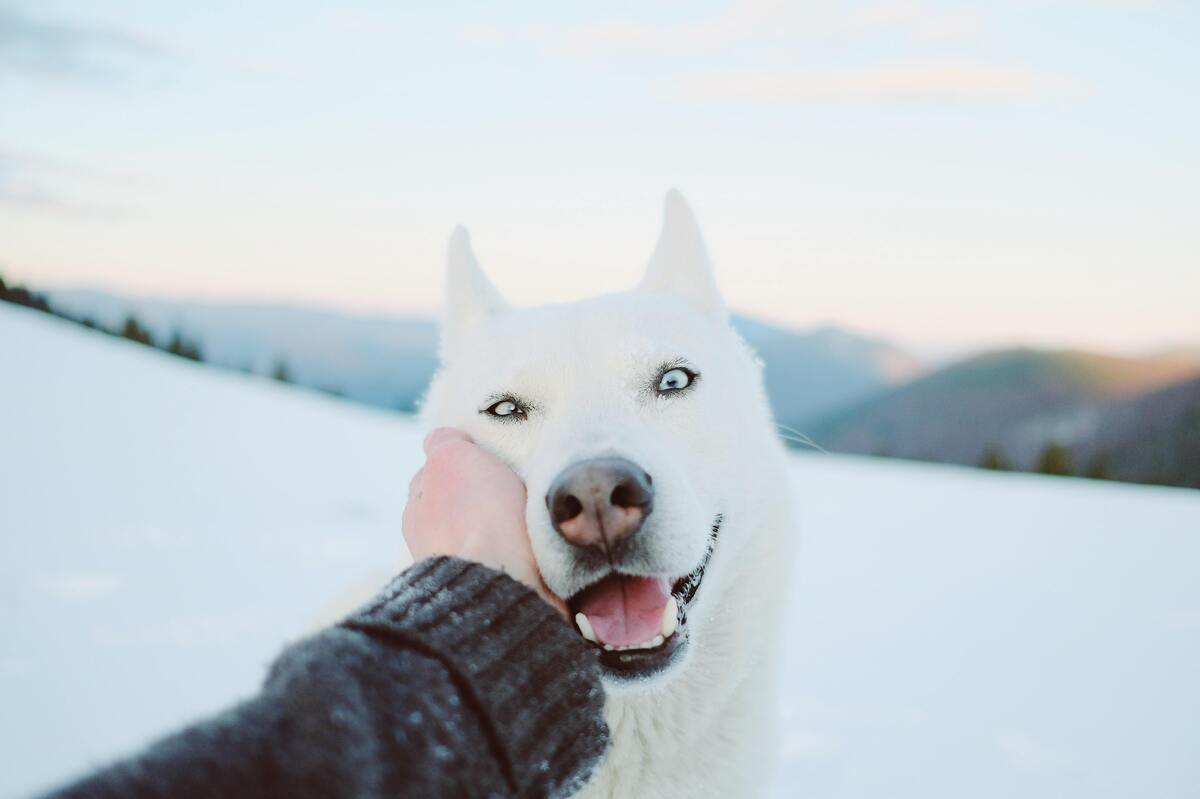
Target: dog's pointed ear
680 262
471 299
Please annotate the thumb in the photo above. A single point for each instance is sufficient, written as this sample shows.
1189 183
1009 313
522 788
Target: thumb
442 436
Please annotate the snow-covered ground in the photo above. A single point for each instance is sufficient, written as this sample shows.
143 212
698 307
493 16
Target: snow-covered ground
167 527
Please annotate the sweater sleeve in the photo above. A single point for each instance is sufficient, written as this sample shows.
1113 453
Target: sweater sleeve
455 681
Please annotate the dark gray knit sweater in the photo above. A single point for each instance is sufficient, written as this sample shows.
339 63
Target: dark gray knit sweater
455 681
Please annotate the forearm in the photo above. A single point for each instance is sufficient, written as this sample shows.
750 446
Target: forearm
444 685
527 685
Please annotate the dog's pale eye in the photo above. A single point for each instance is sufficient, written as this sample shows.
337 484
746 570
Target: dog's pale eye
675 379
505 408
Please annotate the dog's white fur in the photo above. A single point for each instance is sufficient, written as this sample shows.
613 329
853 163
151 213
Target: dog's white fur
704 727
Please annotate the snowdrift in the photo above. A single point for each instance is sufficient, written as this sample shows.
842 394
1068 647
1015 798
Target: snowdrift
167 527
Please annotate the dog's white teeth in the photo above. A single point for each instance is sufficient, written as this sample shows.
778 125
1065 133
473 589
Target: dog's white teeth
585 627
654 642
670 617
609 647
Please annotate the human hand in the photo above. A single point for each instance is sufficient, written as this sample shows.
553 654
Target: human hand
467 503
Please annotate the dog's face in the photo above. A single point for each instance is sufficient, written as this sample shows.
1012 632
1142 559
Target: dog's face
624 415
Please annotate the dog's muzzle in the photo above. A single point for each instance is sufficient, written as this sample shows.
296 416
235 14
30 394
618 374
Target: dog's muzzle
638 622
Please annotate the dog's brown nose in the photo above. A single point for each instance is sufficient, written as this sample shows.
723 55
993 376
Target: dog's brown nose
600 502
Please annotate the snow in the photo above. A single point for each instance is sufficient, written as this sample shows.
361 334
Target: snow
167 527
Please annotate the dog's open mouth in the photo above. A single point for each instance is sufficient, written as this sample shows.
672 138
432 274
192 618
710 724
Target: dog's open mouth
639 623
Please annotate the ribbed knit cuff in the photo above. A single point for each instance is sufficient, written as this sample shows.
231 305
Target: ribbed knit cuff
530 677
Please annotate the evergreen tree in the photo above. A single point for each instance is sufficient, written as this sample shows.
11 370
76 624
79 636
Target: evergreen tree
994 460
19 295
1055 459
1098 468
177 346
281 372
183 348
133 330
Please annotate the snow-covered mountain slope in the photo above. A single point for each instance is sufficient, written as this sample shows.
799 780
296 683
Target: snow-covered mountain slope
165 528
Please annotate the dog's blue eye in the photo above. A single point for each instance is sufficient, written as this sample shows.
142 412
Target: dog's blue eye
675 379
505 408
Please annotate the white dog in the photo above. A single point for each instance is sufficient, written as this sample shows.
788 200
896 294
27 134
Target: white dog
658 502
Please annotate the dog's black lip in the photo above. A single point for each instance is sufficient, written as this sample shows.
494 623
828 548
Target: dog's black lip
686 587
642 662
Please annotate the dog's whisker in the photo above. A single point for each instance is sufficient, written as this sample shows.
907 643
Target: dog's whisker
796 437
809 444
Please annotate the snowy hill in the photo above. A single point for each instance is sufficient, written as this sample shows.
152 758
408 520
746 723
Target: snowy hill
166 528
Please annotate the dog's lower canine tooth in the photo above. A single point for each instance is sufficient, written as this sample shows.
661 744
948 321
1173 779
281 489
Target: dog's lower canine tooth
670 617
585 627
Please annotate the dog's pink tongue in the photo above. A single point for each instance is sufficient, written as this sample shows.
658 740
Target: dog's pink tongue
626 610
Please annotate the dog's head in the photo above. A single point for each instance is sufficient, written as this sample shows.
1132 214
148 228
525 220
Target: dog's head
628 417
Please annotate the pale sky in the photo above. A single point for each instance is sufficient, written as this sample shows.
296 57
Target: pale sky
949 175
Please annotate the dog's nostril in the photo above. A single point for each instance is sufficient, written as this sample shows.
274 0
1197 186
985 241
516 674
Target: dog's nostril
629 494
565 507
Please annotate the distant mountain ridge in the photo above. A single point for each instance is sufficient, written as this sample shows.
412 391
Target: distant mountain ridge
810 375
387 361
1151 438
1012 401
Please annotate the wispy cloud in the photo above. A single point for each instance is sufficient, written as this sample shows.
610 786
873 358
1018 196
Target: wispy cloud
769 48
58 49
260 67
34 162
34 183
761 21
1142 5
43 200
946 81
353 22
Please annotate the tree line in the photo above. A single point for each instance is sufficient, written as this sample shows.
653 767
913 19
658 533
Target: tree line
131 328
1053 459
